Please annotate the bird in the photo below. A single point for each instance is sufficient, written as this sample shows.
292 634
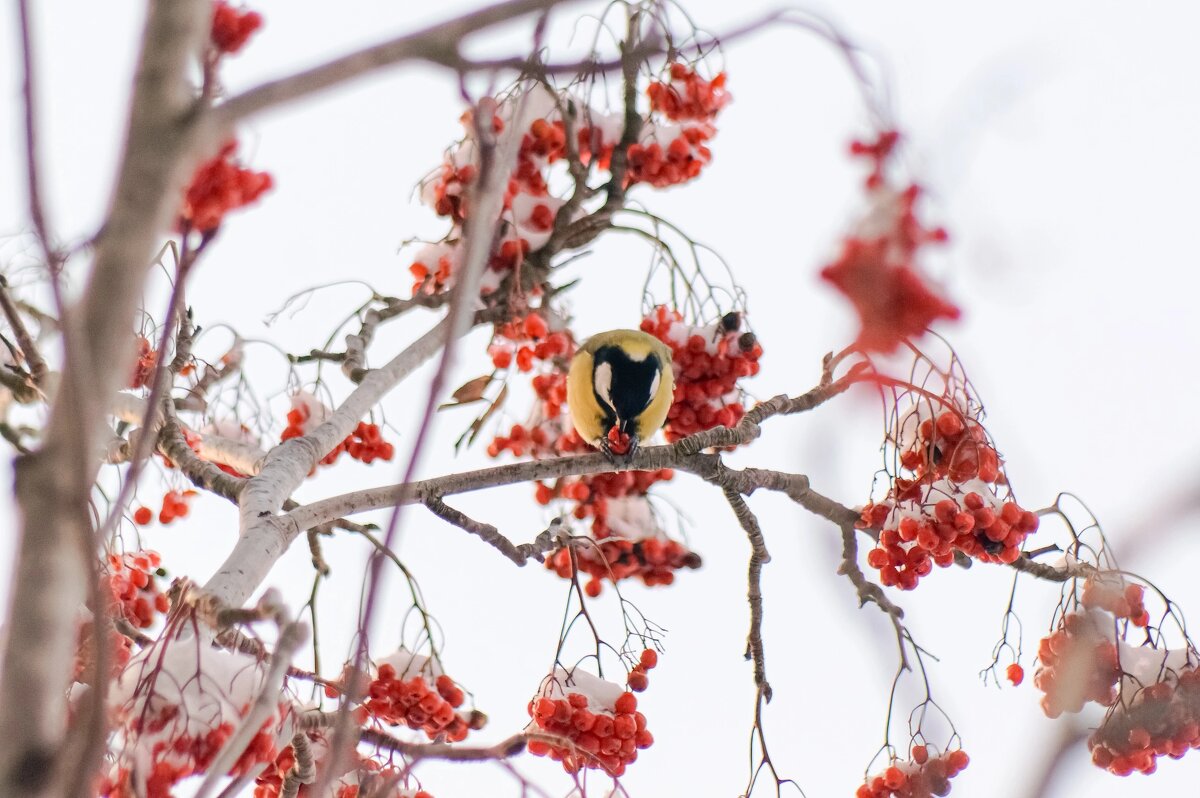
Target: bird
620 384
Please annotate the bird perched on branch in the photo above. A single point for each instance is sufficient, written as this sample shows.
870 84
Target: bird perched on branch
619 390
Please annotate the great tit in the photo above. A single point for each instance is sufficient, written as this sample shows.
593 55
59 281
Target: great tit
620 380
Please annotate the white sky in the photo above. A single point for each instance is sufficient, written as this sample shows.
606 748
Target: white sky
1058 143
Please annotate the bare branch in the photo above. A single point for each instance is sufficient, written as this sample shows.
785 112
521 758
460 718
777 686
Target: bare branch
758 558
439 44
520 554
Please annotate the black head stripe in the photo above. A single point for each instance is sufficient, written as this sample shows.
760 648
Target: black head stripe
630 382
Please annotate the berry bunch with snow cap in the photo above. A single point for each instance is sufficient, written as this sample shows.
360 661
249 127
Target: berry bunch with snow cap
175 706
922 776
598 721
629 541
670 148
708 361
411 689
949 494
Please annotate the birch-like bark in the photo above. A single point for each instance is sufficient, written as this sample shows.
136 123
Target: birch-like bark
263 538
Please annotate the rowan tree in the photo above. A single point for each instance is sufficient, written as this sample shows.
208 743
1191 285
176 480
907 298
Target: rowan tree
137 416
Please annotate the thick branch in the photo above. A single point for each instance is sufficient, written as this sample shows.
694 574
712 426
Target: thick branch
53 484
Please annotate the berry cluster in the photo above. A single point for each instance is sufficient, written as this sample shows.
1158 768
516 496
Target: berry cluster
638 680
132 587
218 186
876 268
365 443
1078 663
708 361
529 339
603 732
671 149
186 755
653 560
143 369
670 154
922 776
174 505
1110 594
415 702
688 96
1163 719
950 502
231 29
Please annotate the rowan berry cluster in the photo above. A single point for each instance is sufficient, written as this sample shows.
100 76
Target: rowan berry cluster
528 340
231 29
417 702
653 559
1110 593
708 361
185 755
921 776
688 96
143 369
1163 719
950 502
133 589
877 266
365 443
218 186
1078 663
671 148
174 505
365 776
604 732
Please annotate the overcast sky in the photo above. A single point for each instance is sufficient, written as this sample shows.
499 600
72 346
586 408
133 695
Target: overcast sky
1058 143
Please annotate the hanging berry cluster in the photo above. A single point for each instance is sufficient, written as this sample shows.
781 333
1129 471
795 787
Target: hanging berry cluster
1163 719
1151 693
601 721
365 443
877 266
185 755
708 362
218 186
176 706
1077 664
231 29
133 589
671 148
174 505
365 776
922 776
417 701
955 498
629 541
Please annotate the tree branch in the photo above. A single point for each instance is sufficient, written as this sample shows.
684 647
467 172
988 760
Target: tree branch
53 484
439 44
